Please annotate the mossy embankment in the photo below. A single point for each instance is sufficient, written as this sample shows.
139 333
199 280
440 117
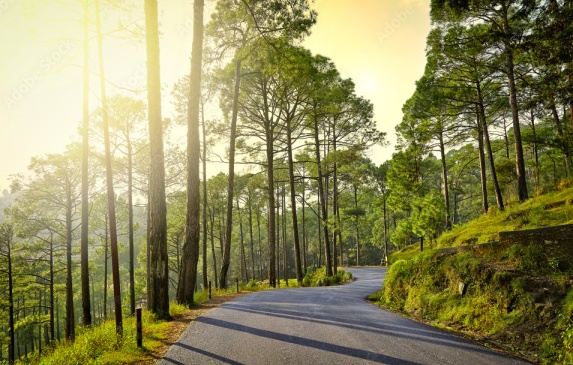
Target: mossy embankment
517 298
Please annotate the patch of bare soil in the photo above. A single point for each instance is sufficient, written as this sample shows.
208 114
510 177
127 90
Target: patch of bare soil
182 321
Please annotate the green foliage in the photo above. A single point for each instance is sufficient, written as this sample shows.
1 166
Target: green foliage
319 278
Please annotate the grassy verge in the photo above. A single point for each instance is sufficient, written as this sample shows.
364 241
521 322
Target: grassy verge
101 344
553 208
515 302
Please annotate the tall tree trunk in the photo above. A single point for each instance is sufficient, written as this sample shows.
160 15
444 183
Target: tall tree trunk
231 187
285 255
304 242
259 241
322 199
52 318
105 268
505 138
319 225
251 238
70 319
278 236
385 232
109 183
190 258
483 176
535 150
84 258
357 230
213 254
570 81
271 203
158 294
205 283
483 121
243 261
446 189
130 227
336 229
296 239
519 159
11 339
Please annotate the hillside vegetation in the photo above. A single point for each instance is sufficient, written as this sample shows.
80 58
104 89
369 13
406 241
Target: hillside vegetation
517 299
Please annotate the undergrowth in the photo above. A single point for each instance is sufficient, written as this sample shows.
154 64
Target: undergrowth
318 277
101 345
494 297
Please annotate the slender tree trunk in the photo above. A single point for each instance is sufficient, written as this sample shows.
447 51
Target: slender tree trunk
304 242
205 283
519 159
130 227
319 226
483 177
496 188
259 241
105 269
385 232
570 81
222 231
505 138
357 230
52 319
213 254
322 199
84 257
278 237
271 196
251 238
446 187
535 151
109 183
158 294
190 258
230 191
243 260
336 229
285 254
297 262
70 319
11 333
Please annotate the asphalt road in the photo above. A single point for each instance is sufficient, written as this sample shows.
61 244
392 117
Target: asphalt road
328 325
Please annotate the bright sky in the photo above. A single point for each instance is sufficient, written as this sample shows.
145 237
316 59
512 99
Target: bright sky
378 43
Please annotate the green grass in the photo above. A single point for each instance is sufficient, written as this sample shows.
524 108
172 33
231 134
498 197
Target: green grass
551 209
101 345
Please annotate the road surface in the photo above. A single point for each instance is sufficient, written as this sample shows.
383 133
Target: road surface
327 325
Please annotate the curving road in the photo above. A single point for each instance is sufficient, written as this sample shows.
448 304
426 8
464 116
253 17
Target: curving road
327 325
